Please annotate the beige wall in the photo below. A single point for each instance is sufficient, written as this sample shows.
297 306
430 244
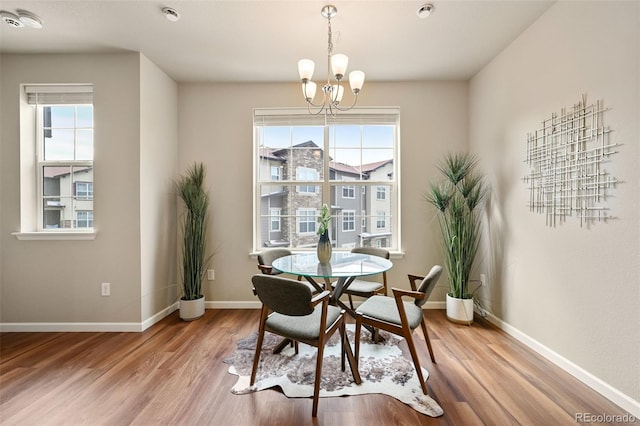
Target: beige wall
59 281
215 126
574 290
158 167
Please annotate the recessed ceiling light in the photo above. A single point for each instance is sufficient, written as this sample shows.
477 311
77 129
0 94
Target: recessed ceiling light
171 14
29 19
11 19
425 11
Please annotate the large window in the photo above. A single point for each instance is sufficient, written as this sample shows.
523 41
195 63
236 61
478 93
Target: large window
315 155
63 148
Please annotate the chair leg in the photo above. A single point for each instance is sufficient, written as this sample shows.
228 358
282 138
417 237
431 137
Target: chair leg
416 360
357 338
316 386
343 341
256 356
426 337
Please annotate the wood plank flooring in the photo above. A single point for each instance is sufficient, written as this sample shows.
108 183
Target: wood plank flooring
173 374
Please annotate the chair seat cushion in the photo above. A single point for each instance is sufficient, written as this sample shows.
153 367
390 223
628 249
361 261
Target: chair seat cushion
384 308
301 327
362 287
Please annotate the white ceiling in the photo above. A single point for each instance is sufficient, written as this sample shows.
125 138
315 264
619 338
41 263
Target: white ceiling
238 40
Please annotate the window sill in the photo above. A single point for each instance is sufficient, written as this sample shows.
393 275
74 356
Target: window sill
56 236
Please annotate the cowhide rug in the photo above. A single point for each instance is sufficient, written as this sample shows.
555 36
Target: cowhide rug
383 368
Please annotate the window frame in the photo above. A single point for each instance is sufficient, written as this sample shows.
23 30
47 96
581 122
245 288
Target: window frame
326 182
33 96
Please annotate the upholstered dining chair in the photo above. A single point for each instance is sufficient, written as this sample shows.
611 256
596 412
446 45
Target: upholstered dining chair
266 258
400 317
365 288
290 310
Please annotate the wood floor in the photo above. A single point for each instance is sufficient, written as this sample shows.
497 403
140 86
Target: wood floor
173 374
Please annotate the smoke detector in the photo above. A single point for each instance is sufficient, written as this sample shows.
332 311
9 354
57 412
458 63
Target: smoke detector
171 14
29 19
425 11
11 19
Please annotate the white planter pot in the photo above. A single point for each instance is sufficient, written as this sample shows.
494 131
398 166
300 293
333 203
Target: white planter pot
459 310
191 309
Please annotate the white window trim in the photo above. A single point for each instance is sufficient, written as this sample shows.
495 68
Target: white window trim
60 236
30 198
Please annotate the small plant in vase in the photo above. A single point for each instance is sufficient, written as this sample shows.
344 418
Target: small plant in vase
324 243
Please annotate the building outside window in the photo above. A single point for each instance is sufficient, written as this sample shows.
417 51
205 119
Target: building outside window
314 156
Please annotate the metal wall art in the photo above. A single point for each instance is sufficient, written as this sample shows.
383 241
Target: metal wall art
567 157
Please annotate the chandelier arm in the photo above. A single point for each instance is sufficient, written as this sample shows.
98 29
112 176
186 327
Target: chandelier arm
321 108
355 100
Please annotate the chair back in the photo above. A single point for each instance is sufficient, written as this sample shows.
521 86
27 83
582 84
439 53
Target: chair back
283 295
428 283
373 251
266 257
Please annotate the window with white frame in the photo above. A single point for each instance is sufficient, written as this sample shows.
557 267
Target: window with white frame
307 219
275 219
84 219
348 220
349 192
275 173
381 221
316 155
63 155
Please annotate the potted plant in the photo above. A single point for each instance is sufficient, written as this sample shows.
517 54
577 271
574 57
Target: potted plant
194 244
324 243
458 200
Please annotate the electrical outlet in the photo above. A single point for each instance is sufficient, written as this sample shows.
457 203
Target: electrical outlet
483 280
106 289
211 274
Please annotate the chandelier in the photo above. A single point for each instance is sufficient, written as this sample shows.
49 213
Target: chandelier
336 67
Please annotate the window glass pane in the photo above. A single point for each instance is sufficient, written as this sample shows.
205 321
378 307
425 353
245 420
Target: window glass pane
52 178
84 149
276 137
302 134
344 136
62 117
378 136
84 116
59 146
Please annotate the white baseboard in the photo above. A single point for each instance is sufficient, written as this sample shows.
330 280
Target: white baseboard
233 305
97 327
614 395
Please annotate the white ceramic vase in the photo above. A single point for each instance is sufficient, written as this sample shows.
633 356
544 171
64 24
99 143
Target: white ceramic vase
459 310
191 309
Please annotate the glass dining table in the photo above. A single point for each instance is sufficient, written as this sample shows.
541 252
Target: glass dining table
343 267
